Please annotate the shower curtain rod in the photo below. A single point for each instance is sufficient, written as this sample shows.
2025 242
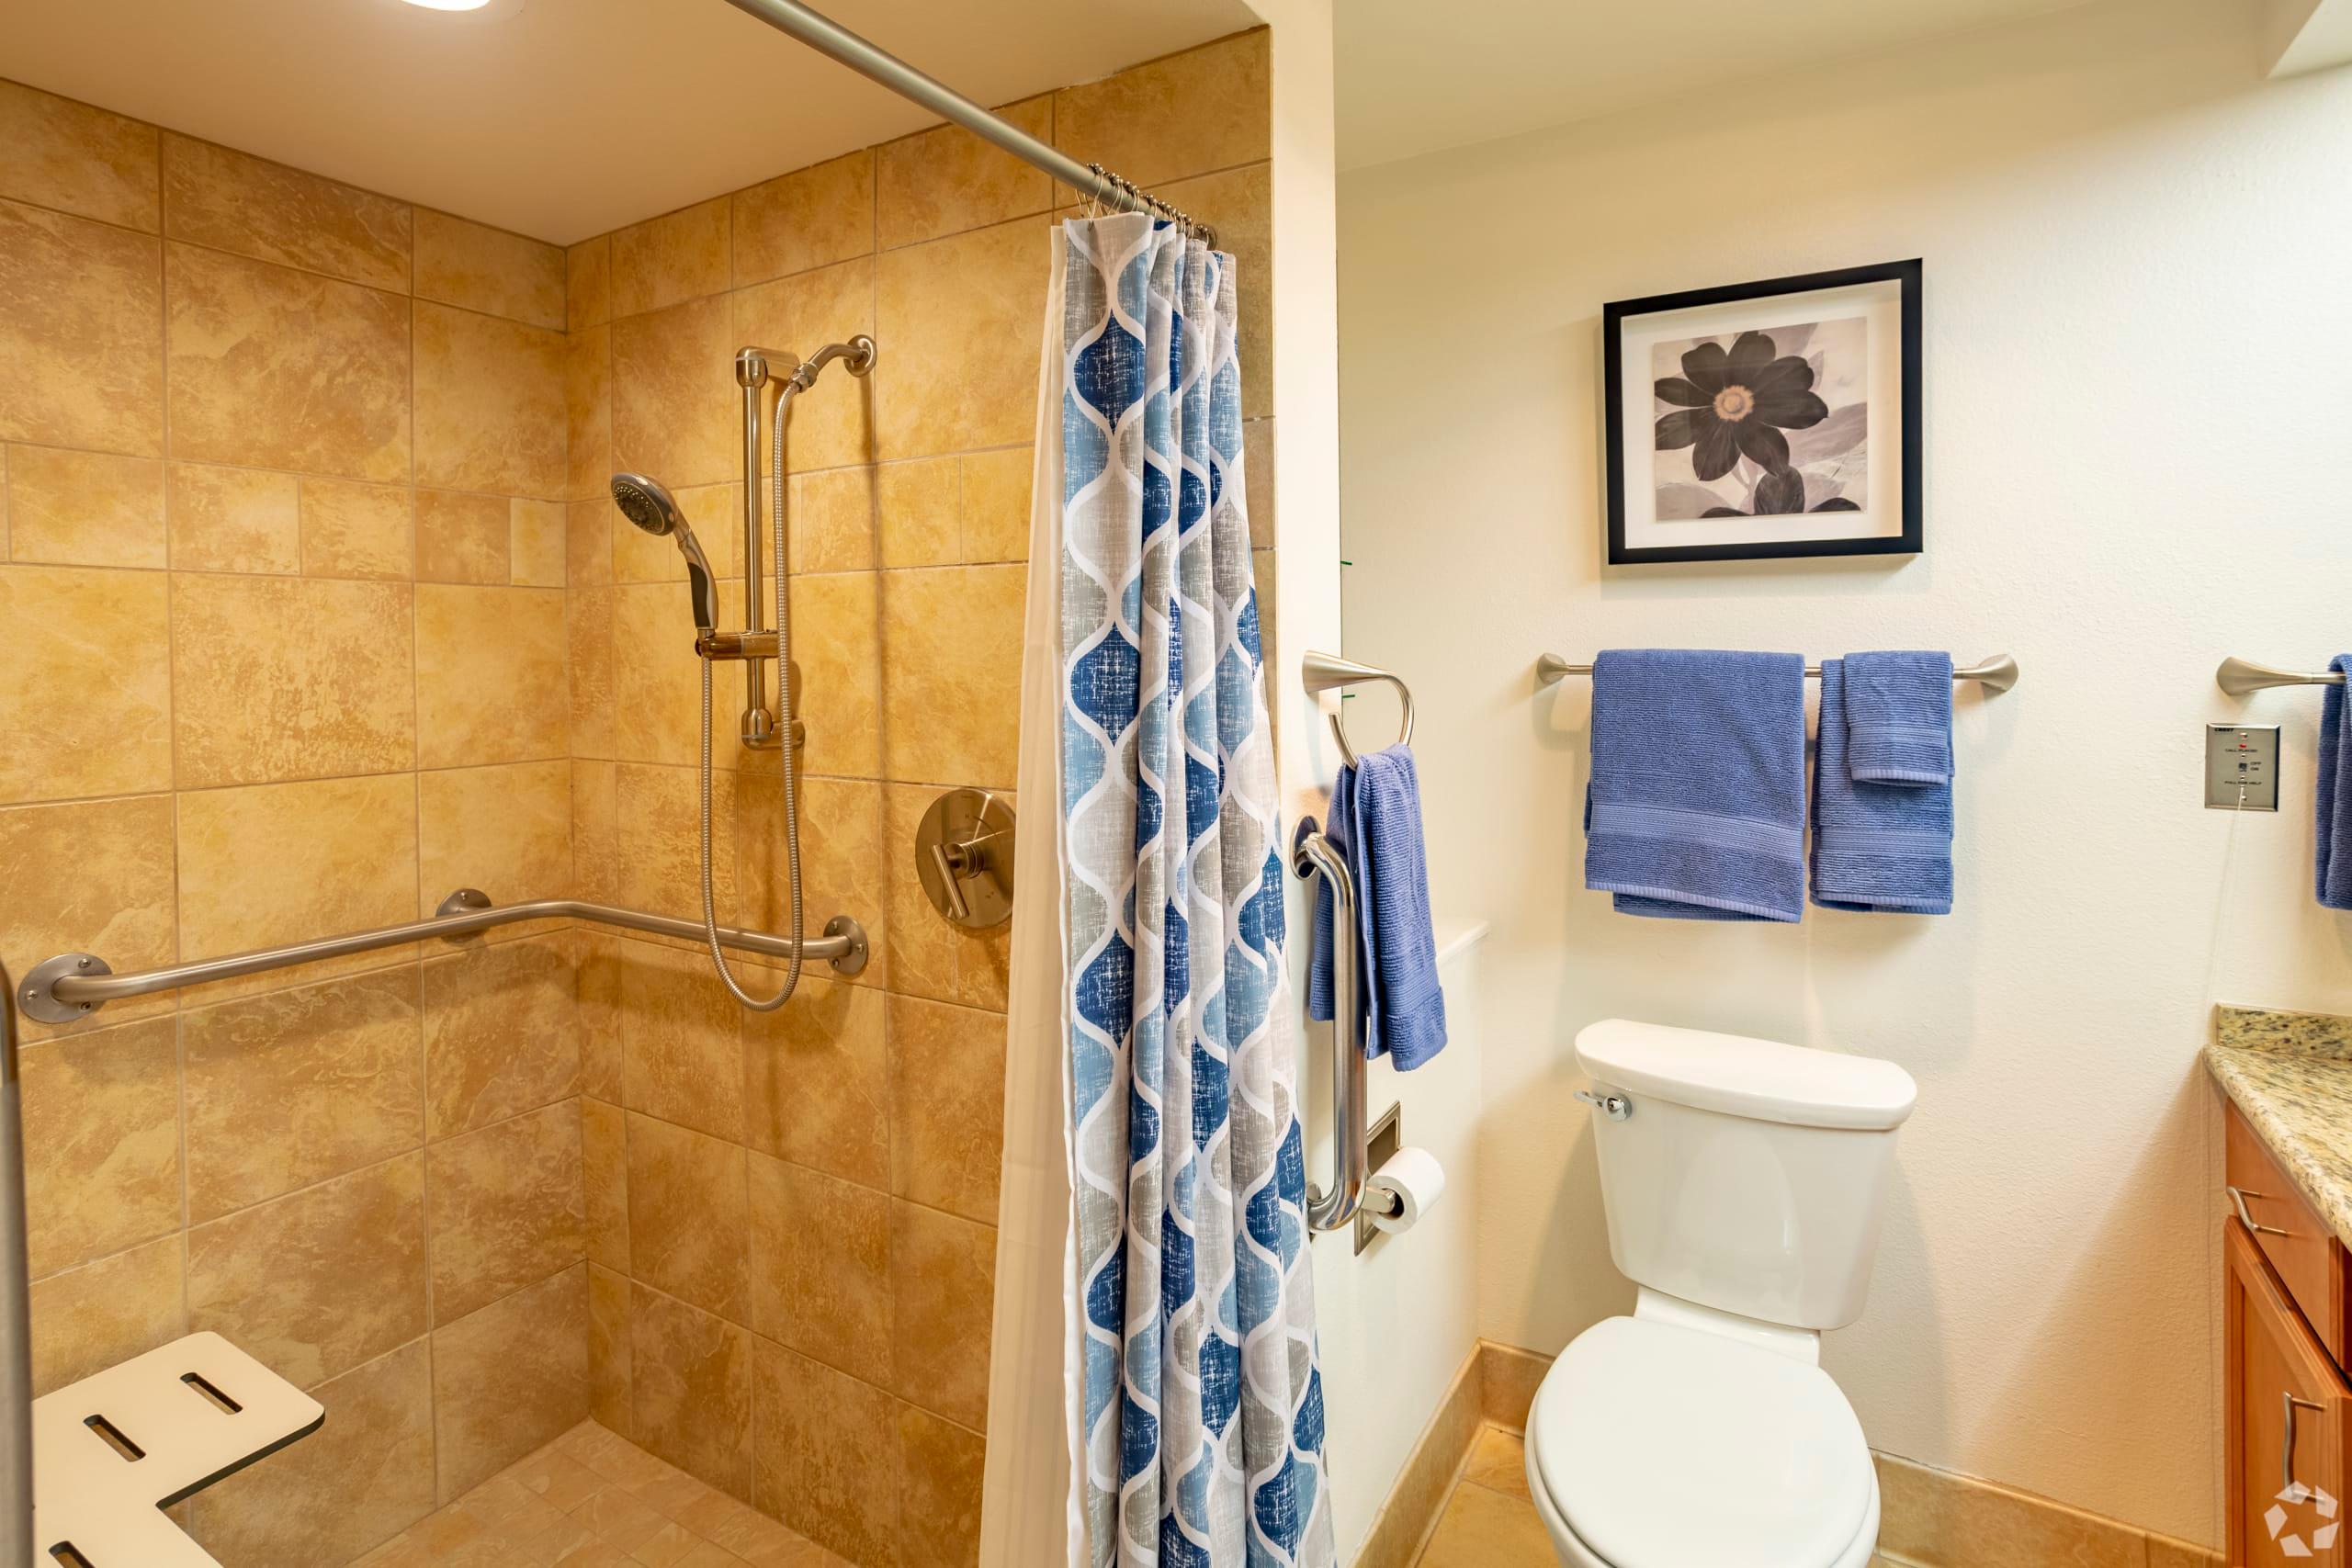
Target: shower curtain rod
832 40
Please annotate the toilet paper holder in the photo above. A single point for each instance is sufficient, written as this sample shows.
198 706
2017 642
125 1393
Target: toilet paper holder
1387 1135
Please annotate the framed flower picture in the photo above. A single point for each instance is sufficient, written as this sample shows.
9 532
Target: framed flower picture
1761 420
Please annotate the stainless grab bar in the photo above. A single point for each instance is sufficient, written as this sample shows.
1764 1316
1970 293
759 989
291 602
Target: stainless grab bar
1335 1206
74 985
16 1310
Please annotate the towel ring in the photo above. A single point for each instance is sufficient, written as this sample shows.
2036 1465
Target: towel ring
1320 673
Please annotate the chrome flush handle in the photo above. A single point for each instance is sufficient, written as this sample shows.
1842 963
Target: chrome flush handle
1616 1107
2239 1196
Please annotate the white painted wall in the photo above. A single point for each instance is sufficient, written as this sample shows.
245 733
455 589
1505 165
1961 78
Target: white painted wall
2139 459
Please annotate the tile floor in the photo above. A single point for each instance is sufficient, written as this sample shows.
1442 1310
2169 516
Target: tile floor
1490 1521
591 1499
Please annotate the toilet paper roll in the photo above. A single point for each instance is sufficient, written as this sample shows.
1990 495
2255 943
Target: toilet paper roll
1413 1179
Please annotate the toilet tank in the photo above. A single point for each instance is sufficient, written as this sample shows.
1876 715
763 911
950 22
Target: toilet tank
1745 1175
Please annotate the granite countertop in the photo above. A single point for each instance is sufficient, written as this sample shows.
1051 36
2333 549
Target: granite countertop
2290 1075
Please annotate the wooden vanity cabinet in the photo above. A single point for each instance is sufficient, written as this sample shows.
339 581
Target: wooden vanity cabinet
2287 1408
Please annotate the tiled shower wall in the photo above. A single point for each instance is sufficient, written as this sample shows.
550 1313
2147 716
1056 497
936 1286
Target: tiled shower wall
313 611
791 1217
282 655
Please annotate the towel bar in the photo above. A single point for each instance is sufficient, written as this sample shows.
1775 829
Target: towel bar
1333 1207
1320 673
2242 677
1995 674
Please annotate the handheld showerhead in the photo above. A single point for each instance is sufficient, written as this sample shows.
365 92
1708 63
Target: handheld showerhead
647 502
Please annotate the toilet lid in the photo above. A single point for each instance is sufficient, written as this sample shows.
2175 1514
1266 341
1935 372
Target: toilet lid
1664 1446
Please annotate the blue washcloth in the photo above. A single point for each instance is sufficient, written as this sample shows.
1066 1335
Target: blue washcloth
1375 825
1898 719
1881 848
1696 808
2334 861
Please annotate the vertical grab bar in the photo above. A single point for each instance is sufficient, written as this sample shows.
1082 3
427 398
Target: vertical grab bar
1335 1206
15 1309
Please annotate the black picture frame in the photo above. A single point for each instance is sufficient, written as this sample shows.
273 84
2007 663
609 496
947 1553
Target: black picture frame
1911 540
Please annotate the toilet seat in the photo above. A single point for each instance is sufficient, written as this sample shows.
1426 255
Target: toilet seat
1655 1445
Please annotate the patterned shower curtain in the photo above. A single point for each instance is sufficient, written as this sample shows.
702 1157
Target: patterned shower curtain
1201 1414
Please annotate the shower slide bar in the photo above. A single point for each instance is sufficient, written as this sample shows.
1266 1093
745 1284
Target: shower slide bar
74 985
2244 677
1091 180
1995 674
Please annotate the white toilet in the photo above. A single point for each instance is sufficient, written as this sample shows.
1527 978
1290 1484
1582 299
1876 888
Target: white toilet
1743 1181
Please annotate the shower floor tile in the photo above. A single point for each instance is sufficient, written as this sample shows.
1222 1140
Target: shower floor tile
592 1499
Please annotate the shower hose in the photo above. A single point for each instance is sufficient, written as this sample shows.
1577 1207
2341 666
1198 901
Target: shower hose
785 707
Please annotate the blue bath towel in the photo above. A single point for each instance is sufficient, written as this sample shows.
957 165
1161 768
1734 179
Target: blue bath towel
2334 861
1884 846
1696 807
1375 825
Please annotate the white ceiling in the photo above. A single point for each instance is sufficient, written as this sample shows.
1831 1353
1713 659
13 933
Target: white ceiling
561 118
1415 77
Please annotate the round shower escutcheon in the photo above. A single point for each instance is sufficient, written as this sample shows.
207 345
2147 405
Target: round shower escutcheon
963 857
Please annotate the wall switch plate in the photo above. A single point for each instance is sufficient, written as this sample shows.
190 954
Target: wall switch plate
2242 767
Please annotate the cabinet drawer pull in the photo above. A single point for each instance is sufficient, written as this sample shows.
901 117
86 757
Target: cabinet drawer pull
2239 1196
2290 1403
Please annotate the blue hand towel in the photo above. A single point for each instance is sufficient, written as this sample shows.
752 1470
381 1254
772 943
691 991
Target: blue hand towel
1376 804
1884 848
1696 808
2334 867
1898 719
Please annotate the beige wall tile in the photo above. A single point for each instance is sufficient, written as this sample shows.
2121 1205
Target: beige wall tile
996 503
536 556
80 333
490 404
841 862
679 255
462 538
588 416
362 1478
79 725
102 1143
1258 479
610 1398
676 410
929 955
487 269
358 530
294 1086
314 1284
588 283
506 829
588 544
942 1275
691 1382
57 153
832 526
660 817
489 677
509 1377
598 958
588 626
820 1267
501 1033
951 689
832 426
657 691
343 858
1263 567
947 1106
92 1318
285 678
810 218
508 1209
284 369
684 1061
604 1153
1239 204
234 520
1508 1379
946 180
817 1080
230 201
715 512
918 512
828 1455
93 876
1186 114
85 508
687 1230
940 1466
836 639
957 316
